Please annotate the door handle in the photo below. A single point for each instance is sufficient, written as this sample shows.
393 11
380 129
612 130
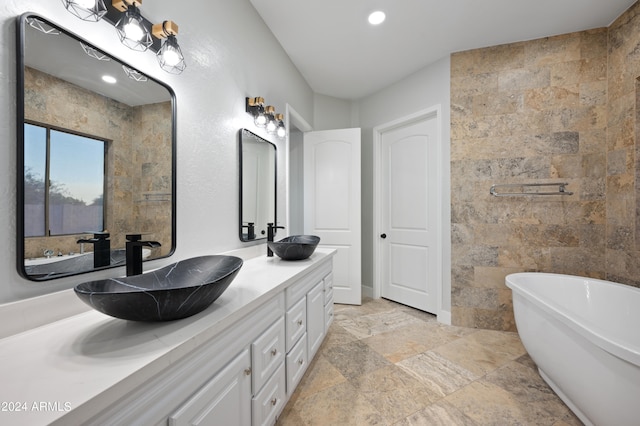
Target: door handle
383 236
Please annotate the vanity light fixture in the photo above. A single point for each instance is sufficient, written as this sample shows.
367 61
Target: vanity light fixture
169 56
266 117
94 53
37 24
134 74
131 28
87 10
134 31
255 107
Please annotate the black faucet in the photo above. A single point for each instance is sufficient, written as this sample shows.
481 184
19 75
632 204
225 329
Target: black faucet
133 248
101 248
271 232
251 230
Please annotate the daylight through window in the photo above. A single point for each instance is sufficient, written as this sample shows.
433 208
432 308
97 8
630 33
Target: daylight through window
63 182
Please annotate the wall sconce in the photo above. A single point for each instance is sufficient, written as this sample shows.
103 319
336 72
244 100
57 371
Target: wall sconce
169 56
134 31
270 112
255 107
87 10
266 116
281 131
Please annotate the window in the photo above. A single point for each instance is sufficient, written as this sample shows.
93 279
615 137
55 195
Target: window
63 182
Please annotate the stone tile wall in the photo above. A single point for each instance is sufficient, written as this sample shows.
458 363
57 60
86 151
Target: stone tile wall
529 112
623 167
555 109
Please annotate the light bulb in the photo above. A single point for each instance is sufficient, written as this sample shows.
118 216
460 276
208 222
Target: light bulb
271 126
281 132
260 120
171 57
133 31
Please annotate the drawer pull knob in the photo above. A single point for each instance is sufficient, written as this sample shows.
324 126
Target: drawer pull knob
301 361
274 401
274 351
299 322
247 371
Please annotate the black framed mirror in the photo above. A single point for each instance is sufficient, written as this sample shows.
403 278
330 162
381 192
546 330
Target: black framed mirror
257 185
95 158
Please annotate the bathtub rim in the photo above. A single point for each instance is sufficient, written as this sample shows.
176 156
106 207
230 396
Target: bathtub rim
591 331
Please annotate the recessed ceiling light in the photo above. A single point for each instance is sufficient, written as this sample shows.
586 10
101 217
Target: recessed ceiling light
377 17
109 79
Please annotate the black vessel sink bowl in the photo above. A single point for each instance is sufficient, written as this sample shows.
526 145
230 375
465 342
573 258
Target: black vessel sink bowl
176 291
295 247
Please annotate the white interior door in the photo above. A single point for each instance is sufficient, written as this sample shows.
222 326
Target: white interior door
332 204
408 235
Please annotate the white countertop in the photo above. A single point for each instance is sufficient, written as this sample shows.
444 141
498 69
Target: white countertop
82 362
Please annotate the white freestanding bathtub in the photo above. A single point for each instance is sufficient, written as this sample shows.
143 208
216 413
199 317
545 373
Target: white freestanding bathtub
584 336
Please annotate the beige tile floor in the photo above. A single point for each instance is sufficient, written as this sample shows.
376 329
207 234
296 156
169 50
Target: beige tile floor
383 363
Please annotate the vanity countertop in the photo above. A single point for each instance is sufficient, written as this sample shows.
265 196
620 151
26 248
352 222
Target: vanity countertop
75 367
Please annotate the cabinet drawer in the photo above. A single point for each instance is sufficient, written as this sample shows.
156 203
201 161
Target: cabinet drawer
296 322
328 288
270 400
267 353
297 362
328 315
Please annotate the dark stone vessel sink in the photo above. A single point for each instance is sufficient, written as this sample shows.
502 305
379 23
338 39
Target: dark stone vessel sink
176 291
295 247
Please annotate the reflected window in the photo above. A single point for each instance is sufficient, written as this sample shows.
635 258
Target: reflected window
63 182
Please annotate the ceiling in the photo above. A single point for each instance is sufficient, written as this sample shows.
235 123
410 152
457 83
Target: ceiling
341 55
62 56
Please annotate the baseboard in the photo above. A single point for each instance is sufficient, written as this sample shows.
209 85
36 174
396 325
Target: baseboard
444 317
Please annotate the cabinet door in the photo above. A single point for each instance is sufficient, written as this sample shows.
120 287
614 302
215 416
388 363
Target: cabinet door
224 400
315 318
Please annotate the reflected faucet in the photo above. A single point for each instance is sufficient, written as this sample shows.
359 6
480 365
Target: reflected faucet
134 253
101 248
251 230
271 232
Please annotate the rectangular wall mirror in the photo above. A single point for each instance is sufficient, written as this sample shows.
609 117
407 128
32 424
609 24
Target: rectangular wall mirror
257 185
95 158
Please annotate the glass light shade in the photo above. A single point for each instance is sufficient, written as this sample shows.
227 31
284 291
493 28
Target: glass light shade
132 31
281 132
170 56
87 10
271 124
260 119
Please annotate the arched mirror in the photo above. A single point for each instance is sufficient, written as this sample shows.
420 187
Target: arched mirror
95 157
257 185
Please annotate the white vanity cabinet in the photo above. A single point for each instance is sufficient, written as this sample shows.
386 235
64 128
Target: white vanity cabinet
306 325
245 374
236 363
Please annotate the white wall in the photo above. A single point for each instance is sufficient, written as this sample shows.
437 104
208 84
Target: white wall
333 113
230 54
423 89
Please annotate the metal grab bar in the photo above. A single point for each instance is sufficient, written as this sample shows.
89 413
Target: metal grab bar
561 189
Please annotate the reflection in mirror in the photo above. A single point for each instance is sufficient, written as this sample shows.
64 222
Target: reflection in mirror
257 185
97 157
